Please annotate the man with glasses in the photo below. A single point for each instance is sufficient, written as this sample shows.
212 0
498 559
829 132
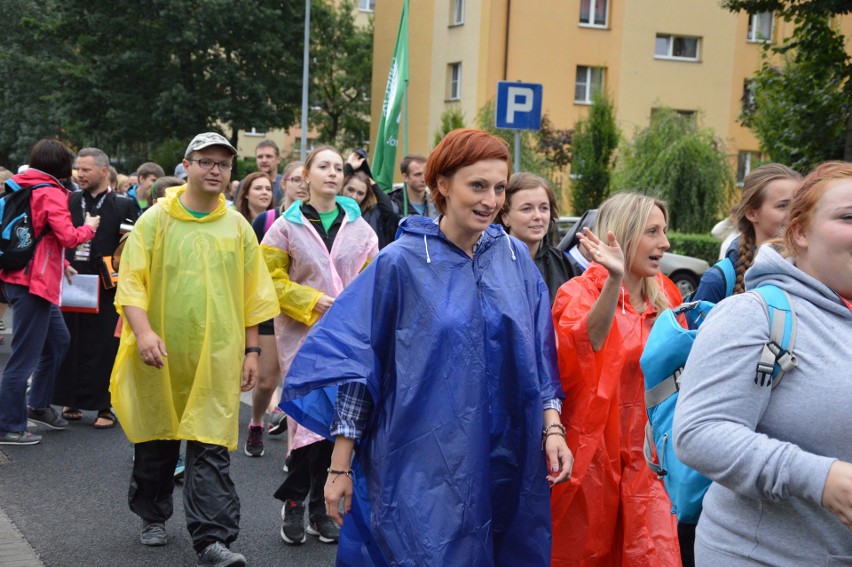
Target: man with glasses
193 289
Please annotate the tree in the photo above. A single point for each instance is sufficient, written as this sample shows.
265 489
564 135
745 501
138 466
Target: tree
29 106
594 142
802 112
685 165
341 74
125 77
451 119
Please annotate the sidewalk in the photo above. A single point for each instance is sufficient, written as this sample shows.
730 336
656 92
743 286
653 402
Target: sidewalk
15 551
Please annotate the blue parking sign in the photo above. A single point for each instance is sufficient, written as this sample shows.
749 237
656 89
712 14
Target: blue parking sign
518 106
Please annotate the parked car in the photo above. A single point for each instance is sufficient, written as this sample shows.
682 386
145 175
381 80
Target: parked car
684 271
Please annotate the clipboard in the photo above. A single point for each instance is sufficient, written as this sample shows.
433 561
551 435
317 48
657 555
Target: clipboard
83 295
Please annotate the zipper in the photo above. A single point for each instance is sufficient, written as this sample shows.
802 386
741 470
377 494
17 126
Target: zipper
46 260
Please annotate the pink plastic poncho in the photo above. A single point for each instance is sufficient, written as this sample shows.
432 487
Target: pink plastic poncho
303 270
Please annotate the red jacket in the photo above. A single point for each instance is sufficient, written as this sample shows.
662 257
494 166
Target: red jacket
49 205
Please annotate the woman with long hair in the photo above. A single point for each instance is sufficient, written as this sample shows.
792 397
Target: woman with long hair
255 196
614 510
528 214
780 458
313 251
760 216
442 373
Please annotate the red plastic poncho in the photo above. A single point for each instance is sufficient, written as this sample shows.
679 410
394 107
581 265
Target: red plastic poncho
614 511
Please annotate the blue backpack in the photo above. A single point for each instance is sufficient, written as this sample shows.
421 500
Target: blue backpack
662 362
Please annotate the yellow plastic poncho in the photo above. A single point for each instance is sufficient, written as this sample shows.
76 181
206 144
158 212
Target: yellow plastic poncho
202 282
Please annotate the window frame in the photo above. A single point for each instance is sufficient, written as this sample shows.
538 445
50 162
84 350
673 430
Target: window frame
591 24
254 133
362 8
750 155
457 13
671 39
454 78
752 27
589 83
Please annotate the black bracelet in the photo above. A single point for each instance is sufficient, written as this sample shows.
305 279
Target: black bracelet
338 473
250 350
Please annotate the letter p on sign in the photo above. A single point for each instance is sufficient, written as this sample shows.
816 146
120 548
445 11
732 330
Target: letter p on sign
520 100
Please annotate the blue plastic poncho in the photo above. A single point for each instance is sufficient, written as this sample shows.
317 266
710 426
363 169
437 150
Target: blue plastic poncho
458 356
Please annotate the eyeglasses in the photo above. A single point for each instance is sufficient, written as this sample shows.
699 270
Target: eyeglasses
207 164
296 180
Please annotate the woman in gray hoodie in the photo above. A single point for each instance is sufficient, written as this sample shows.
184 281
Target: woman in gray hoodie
779 457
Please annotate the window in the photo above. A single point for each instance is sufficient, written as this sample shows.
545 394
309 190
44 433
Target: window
748 96
590 80
454 81
366 5
760 27
677 47
254 132
457 18
746 161
594 12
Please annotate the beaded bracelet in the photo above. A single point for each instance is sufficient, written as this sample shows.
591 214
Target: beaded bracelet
559 426
338 473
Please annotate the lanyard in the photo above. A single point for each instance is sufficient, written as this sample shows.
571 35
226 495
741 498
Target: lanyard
98 205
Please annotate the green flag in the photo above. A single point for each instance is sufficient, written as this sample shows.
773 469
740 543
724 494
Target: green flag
387 137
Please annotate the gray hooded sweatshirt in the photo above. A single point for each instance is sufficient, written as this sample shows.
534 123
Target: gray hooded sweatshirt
768 451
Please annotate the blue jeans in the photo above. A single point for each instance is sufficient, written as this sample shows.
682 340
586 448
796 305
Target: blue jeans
39 342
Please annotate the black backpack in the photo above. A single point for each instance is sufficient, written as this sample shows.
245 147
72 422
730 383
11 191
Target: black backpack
18 240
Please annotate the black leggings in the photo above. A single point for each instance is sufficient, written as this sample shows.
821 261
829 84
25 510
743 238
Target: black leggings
307 471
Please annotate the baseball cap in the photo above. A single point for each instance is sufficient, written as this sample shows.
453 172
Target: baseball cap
206 140
180 171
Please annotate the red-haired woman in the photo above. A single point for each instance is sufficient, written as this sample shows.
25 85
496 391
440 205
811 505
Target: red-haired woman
441 362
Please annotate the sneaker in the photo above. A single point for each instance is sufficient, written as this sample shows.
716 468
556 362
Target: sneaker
325 528
47 417
217 555
254 443
180 467
293 528
153 533
277 423
22 438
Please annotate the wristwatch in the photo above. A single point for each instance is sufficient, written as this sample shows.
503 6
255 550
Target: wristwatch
250 350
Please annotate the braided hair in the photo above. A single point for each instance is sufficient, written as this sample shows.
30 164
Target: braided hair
754 193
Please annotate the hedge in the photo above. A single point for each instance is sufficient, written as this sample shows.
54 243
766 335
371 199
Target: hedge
701 246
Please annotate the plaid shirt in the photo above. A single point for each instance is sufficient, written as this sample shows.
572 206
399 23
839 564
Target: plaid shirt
354 406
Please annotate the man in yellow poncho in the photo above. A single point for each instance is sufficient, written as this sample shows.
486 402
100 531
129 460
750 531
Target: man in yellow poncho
193 288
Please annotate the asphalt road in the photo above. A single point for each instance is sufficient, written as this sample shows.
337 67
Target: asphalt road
68 497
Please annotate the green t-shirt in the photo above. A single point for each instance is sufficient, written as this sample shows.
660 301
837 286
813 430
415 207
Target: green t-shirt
196 214
327 219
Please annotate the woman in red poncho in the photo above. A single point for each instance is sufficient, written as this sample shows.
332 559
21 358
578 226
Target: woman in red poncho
615 511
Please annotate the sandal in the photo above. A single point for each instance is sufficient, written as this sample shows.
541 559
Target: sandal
107 415
72 414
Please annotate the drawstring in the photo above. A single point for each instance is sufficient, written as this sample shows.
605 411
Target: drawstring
426 244
622 300
509 241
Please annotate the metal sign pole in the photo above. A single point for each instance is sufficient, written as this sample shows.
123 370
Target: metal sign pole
517 151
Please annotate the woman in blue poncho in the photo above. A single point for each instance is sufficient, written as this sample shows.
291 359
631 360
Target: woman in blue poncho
439 376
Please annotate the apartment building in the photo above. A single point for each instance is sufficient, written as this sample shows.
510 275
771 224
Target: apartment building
690 55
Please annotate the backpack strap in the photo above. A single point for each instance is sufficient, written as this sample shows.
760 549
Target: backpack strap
777 357
729 274
648 449
270 218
